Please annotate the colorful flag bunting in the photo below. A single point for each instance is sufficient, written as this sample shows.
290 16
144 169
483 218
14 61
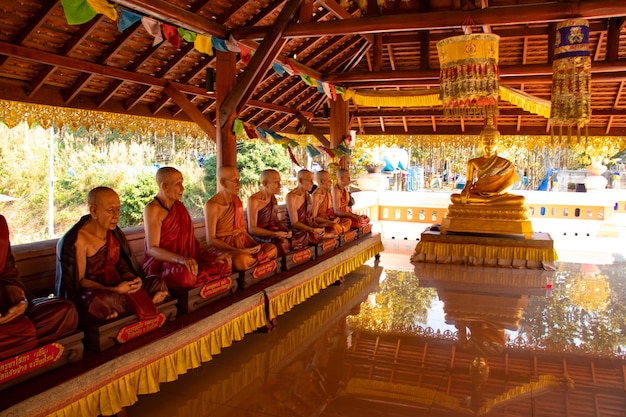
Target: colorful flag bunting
292 156
250 131
127 19
78 12
238 127
232 44
280 70
219 44
171 35
312 151
153 27
187 35
204 44
245 54
105 8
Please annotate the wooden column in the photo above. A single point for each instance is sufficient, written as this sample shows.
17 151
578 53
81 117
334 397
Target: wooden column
338 124
225 76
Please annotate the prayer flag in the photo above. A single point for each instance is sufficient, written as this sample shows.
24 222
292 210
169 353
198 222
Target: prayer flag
250 131
153 27
232 44
104 7
187 35
326 88
319 85
261 133
171 35
127 19
292 156
245 54
278 68
312 151
78 12
238 127
294 70
204 44
219 44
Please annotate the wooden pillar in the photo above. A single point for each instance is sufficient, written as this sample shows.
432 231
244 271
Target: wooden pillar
226 77
338 125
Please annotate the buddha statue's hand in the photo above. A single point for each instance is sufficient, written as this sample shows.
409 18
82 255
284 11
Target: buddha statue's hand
251 250
129 287
283 235
224 258
14 312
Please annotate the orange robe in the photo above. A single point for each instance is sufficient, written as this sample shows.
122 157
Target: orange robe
232 230
177 235
324 206
45 320
305 215
344 201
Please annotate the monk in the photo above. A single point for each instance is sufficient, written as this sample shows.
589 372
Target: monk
300 210
96 268
226 227
489 177
323 212
263 223
341 200
171 247
25 325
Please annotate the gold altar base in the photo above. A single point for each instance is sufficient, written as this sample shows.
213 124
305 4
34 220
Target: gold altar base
496 251
490 220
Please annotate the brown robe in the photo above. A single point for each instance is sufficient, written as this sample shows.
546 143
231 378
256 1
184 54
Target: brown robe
108 268
305 215
324 206
345 206
45 320
267 218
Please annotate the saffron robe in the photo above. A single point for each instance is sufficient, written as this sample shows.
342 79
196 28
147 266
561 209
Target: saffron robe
108 268
232 230
267 218
305 215
177 235
45 320
344 205
323 207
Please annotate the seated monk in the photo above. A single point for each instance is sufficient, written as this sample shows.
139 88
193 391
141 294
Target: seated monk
171 247
263 223
96 268
323 212
300 211
226 225
24 326
489 177
341 200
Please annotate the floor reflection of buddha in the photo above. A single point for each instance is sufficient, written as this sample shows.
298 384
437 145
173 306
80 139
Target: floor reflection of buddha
489 177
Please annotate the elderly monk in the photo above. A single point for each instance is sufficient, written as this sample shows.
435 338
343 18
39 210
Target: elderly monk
226 225
323 212
300 210
489 177
171 247
24 326
341 200
263 223
96 268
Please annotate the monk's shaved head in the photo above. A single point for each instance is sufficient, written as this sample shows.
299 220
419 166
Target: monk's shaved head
165 173
303 173
342 171
267 175
226 171
320 175
95 194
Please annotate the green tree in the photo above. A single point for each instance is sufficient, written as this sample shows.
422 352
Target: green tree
134 197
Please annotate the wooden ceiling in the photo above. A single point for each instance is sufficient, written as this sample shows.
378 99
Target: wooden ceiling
386 46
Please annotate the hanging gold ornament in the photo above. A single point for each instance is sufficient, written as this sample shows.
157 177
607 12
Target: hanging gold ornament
469 76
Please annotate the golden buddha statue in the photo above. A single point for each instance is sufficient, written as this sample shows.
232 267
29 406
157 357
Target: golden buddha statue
489 177
484 205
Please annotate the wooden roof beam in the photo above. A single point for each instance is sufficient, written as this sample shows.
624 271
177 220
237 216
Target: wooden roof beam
313 130
507 15
260 63
341 13
192 111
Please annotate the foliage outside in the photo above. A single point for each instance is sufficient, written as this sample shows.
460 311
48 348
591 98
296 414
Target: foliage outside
86 159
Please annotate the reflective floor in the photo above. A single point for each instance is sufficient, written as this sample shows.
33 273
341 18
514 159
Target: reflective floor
429 340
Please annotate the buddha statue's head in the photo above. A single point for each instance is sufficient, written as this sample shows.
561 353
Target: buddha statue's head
489 138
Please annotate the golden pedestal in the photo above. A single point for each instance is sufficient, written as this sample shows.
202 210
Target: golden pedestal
487 219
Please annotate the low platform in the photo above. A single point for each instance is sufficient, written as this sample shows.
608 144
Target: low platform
297 257
326 245
506 252
492 220
101 336
260 272
41 359
348 237
191 299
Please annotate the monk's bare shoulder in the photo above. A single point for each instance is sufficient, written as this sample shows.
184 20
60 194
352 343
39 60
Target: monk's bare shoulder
154 210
